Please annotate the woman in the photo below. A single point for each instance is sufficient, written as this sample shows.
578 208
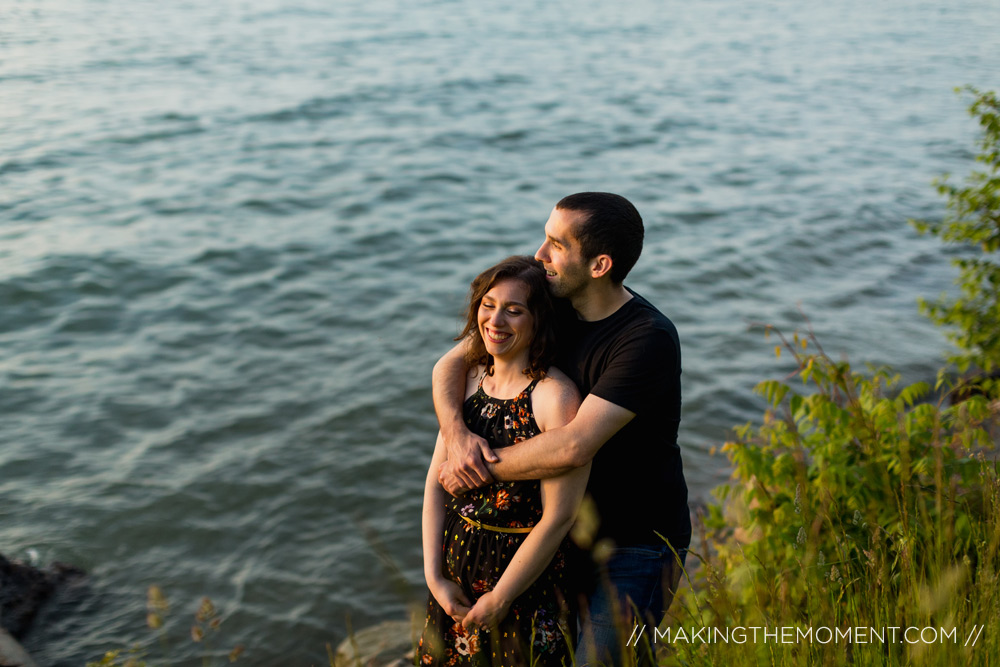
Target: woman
492 557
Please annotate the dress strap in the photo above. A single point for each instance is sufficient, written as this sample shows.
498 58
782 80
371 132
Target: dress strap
526 392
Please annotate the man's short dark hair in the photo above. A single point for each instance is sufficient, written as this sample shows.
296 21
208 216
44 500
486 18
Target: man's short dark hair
610 225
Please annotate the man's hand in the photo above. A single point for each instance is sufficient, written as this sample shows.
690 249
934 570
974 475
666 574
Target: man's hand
487 613
467 453
451 380
451 598
451 482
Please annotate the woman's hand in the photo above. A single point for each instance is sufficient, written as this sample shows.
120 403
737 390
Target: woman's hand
451 598
487 613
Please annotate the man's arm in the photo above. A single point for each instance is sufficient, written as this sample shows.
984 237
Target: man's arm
466 450
553 452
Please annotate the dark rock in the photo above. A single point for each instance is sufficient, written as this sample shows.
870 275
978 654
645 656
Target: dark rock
24 589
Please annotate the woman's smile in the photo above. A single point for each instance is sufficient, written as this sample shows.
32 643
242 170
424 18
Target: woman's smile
496 336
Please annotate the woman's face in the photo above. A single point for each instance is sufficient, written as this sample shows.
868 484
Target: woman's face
505 323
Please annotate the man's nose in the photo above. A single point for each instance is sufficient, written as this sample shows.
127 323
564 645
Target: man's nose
542 254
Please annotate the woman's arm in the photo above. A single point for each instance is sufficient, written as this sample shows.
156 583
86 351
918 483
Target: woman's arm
561 497
447 593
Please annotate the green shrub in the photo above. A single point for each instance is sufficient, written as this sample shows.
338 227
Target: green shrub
855 503
973 223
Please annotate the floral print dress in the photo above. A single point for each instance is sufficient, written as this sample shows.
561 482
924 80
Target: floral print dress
534 631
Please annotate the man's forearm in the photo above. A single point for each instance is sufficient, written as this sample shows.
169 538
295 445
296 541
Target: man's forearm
548 454
448 390
559 450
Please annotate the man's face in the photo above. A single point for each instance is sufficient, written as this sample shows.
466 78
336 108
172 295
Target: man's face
567 271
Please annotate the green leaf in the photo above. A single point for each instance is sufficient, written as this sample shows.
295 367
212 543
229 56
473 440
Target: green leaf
796 406
773 391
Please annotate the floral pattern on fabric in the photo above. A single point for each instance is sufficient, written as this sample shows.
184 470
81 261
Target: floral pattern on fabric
535 629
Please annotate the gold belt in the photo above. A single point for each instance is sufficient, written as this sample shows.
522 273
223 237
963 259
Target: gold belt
496 529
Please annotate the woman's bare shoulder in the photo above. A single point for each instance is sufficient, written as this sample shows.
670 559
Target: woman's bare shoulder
553 374
556 381
555 400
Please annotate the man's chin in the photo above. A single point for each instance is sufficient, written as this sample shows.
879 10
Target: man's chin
559 291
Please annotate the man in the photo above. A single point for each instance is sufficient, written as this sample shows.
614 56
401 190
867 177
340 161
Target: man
624 355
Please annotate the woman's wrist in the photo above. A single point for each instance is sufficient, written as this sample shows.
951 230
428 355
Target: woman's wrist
501 599
434 581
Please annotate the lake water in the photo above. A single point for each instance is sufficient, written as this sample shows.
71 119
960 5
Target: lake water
235 236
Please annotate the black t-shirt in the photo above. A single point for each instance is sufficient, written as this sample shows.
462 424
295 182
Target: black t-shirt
633 359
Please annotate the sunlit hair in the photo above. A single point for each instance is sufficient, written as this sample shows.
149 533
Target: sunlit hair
529 271
609 225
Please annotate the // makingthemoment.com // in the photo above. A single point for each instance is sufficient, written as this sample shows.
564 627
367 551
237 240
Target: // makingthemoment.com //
805 635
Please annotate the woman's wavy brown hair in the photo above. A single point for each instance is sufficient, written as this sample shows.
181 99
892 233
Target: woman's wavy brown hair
542 349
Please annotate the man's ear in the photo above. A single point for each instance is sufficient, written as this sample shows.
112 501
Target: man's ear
600 266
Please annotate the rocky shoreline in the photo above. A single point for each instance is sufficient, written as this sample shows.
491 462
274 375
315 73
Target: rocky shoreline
388 644
24 588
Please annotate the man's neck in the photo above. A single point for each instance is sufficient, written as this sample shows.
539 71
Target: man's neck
600 300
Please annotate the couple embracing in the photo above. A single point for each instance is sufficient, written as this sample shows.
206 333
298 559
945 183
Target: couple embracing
519 450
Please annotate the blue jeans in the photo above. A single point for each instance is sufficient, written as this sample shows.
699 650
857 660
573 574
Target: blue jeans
636 578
